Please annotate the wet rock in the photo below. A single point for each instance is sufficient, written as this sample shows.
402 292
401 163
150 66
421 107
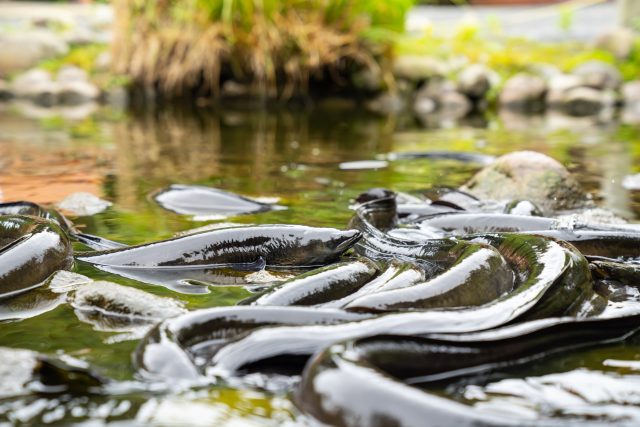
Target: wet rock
387 103
369 79
417 68
528 175
618 41
36 85
599 75
475 81
83 204
440 96
112 307
77 92
524 92
70 74
66 281
558 85
424 105
23 50
583 101
631 93
425 100
84 35
454 105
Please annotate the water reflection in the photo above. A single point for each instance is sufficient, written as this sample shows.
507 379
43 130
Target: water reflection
293 155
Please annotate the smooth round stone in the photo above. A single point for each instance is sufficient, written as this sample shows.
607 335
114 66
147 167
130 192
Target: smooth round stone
531 176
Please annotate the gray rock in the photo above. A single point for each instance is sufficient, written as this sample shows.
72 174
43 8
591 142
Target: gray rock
425 100
36 86
112 307
369 79
70 73
454 105
583 101
528 175
631 93
417 68
599 75
83 204
618 41
23 50
423 105
77 92
524 92
82 35
558 86
475 81
30 77
387 103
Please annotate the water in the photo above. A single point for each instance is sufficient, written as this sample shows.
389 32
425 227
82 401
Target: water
292 156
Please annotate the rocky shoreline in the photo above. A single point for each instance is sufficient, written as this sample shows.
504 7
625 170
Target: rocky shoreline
424 86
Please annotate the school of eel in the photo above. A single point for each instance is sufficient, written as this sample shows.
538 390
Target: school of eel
416 290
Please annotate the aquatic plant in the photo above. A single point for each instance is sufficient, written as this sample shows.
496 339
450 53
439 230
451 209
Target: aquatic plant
276 46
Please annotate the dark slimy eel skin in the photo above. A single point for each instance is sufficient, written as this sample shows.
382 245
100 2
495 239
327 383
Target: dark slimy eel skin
627 274
34 209
482 159
31 250
480 275
344 384
610 244
278 245
397 275
540 265
321 285
189 264
473 222
169 349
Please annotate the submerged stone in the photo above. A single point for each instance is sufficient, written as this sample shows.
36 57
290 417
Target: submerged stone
524 92
599 75
475 81
83 204
112 300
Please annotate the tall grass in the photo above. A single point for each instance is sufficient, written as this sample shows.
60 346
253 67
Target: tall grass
278 46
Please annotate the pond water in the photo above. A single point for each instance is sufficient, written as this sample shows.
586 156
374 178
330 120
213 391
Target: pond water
294 157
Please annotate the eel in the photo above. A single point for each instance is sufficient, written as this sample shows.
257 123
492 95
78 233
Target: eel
320 285
203 201
343 385
171 348
31 249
